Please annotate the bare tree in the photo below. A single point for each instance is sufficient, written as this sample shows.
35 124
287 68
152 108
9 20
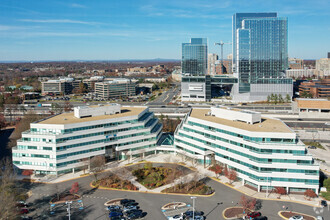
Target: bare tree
97 165
8 193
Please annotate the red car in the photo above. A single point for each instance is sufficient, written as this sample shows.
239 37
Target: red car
253 214
24 211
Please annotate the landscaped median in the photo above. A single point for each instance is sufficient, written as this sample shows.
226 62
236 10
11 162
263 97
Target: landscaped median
114 182
233 213
288 214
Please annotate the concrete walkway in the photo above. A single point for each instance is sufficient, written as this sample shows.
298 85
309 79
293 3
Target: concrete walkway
170 158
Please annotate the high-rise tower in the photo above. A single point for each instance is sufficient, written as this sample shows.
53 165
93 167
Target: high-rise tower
260 56
194 57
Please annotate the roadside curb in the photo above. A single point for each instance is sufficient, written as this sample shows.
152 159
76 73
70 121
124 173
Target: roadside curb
280 214
159 193
279 200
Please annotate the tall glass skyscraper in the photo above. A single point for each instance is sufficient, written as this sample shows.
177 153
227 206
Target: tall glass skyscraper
194 57
260 54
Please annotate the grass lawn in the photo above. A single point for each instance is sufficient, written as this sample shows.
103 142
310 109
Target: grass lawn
192 187
315 144
153 177
326 195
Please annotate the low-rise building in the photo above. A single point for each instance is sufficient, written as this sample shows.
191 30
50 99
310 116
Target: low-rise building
318 88
115 88
57 87
263 151
311 108
65 142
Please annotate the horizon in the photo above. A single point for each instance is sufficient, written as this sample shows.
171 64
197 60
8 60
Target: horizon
65 31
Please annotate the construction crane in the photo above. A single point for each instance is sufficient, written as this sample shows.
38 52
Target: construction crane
221 45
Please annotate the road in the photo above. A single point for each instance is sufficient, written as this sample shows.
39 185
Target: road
94 200
165 98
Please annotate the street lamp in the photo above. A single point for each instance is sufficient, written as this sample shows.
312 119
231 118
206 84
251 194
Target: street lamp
193 198
69 208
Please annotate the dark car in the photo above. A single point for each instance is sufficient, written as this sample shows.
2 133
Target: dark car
133 211
260 218
324 203
254 214
118 218
114 208
130 204
125 201
190 213
115 214
136 215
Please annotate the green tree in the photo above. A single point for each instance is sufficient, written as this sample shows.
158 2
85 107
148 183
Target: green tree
280 98
288 98
268 98
326 184
275 99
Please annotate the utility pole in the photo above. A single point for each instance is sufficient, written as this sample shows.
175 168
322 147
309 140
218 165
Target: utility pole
221 45
193 198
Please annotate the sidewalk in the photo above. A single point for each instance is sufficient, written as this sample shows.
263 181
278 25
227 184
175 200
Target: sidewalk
170 158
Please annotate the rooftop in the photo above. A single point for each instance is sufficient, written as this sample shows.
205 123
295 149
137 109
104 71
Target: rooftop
69 118
313 103
266 125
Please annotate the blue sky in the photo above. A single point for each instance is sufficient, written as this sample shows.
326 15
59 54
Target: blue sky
146 29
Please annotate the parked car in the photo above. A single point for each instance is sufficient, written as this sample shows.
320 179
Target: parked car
311 147
254 214
135 215
197 217
319 218
260 218
130 207
114 208
125 201
190 213
118 218
115 214
176 217
21 204
24 211
324 203
133 211
296 217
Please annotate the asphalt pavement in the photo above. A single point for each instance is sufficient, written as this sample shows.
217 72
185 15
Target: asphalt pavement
94 200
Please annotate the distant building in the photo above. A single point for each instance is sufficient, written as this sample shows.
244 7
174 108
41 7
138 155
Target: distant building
328 55
227 66
211 63
301 73
318 88
194 57
115 88
91 82
323 65
57 87
30 95
260 56
311 108
295 63
137 70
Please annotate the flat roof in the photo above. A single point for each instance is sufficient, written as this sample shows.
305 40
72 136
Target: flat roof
69 118
314 104
267 124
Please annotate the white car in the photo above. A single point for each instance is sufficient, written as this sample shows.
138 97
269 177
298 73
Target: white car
319 218
296 217
176 217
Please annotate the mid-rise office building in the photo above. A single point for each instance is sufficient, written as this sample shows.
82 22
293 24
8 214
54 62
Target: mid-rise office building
115 88
212 59
65 142
194 57
264 151
295 63
57 87
260 56
317 88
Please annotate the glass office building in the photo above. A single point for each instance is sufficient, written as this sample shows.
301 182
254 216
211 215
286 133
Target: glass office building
260 53
194 57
